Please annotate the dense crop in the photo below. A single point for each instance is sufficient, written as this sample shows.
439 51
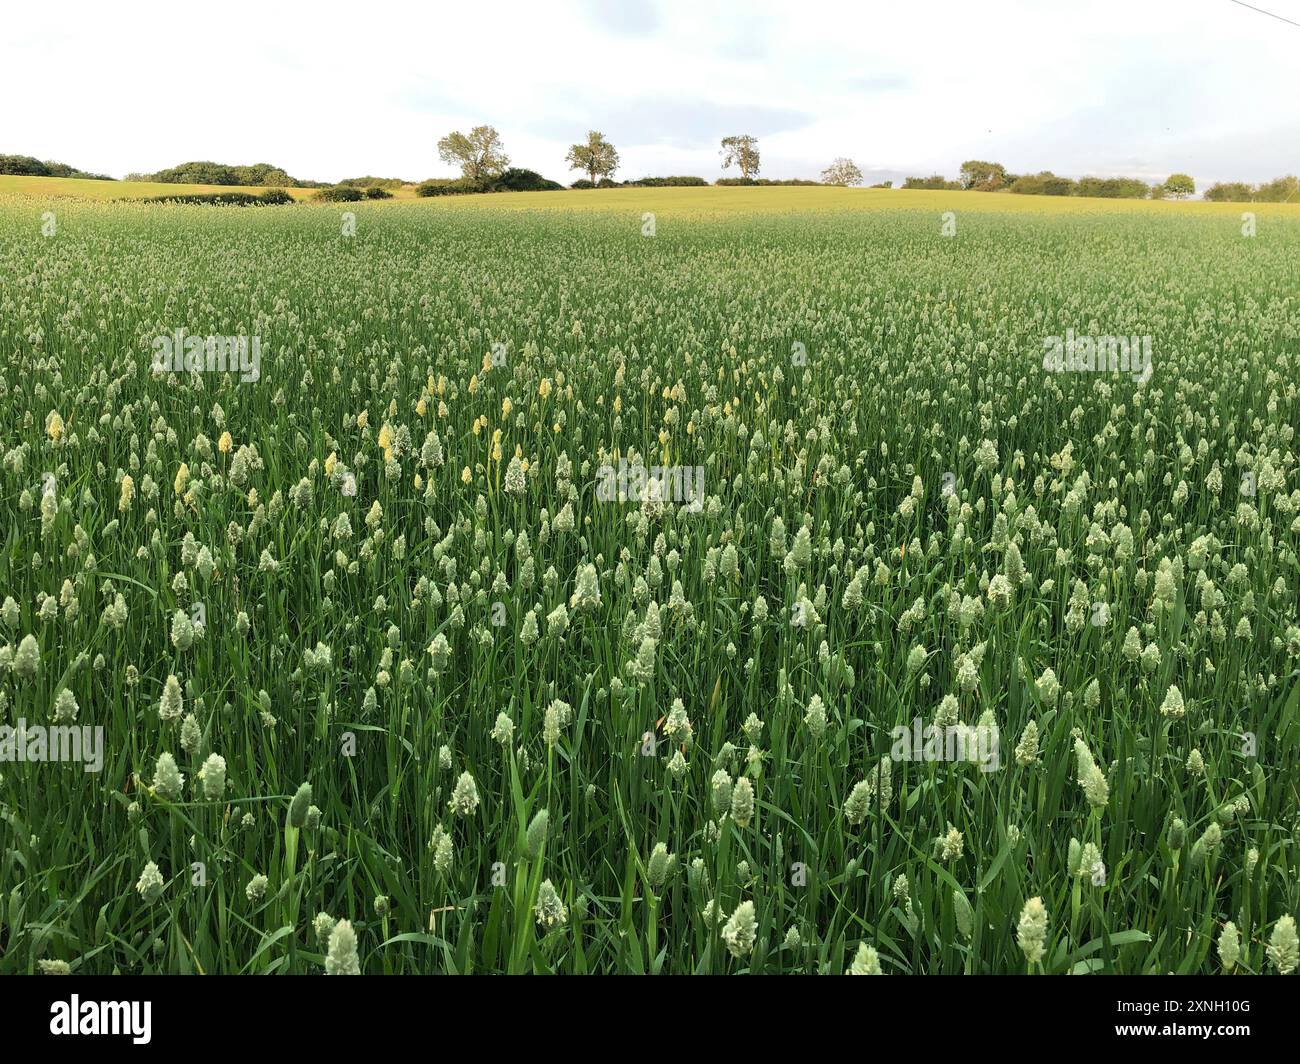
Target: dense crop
390 680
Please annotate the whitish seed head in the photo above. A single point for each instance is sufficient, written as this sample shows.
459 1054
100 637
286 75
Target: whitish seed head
1027 748
740 930
167 778
550 909
902 890
1090 862
464 798
256 889
721 788
322 925
1284 946
1049 687
948 713
742 802
150 884
858 803
504 730
949 847
443 850
1173 707
678 725
171 705
1031 932
191 735
659 865
915 660
882 781
341 957
865 962
1229 946
27 661
1091 778
65 707
213 777
815 717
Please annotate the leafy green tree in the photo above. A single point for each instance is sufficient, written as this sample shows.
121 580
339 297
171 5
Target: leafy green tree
1179 186
597 158
1230 192
480 155
982 176
934 181
842 172
1279 190
742 151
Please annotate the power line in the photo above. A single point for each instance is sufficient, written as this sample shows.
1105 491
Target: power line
1270 14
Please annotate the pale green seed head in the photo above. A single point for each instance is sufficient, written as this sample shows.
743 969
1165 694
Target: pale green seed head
535 836
742 802
1229 946
1031 932
964 914
659 865
299 805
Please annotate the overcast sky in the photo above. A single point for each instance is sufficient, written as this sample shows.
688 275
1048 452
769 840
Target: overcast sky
1105 87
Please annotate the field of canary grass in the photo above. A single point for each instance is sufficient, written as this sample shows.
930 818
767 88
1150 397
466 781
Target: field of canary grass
466 589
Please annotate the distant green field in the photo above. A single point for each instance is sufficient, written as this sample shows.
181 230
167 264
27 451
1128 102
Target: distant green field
80 188
706 200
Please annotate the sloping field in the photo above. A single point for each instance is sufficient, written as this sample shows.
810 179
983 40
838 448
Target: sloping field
518 583
707 200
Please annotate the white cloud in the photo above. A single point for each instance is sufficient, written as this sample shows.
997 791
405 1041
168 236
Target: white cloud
1107 87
